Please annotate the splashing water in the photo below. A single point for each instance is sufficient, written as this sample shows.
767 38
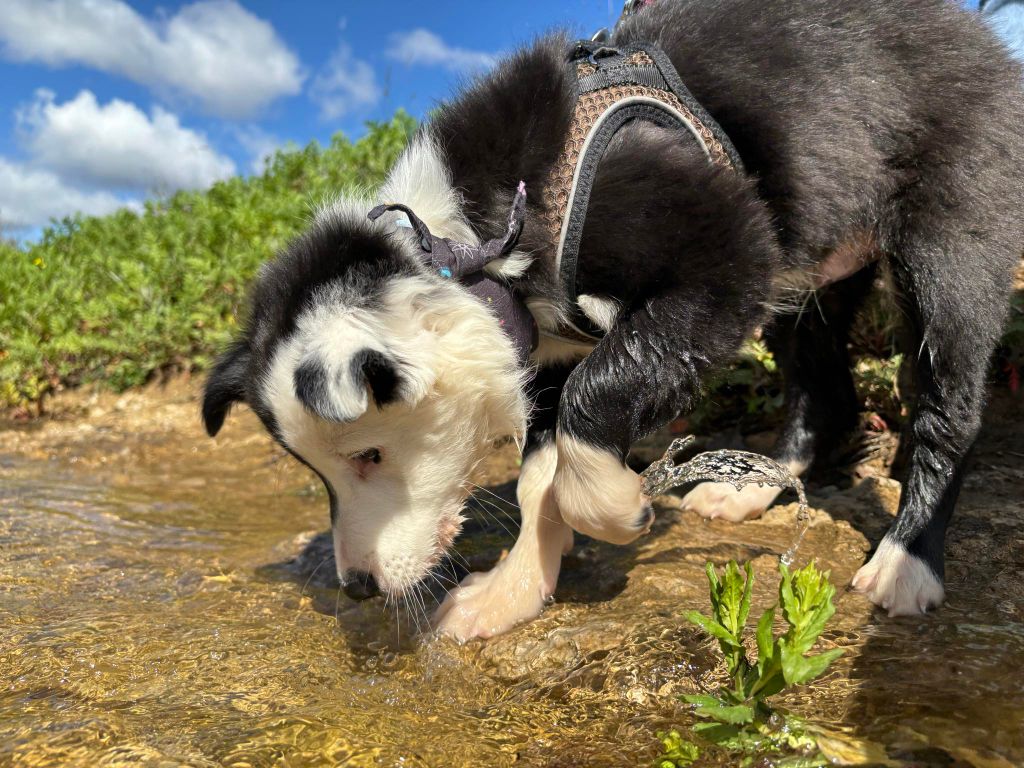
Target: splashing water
738 468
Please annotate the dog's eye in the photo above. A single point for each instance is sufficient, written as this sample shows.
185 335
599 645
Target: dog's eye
367 456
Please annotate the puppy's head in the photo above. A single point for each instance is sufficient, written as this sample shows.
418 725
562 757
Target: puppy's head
390 382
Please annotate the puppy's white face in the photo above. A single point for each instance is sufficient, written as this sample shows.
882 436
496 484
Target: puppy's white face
388 380
393 401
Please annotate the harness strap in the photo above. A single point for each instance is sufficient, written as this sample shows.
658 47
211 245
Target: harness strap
465 262
615 86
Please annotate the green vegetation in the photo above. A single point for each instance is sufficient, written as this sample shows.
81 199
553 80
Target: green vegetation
120 298
677 751
750 390
739 718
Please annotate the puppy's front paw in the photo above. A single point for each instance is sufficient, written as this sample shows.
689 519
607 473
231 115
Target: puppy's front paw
598 495
899 582
722 500
488 604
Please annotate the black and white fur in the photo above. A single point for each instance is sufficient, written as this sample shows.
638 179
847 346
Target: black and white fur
896 126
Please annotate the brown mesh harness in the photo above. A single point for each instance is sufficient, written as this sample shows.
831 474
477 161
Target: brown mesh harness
614 86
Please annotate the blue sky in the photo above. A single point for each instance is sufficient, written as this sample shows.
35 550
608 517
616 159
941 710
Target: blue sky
112 101
108 102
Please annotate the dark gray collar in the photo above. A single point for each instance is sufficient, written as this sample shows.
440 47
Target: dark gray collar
464 262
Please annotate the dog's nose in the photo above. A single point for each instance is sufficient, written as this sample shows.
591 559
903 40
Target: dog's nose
360 585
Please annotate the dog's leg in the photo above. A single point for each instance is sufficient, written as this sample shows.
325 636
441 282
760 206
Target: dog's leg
821 404
955 284
515 590
644 372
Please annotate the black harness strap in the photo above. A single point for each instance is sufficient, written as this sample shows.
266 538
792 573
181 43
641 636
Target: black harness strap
615 86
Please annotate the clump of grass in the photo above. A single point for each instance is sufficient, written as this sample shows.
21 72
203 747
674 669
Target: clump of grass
876 380
119 298
739 718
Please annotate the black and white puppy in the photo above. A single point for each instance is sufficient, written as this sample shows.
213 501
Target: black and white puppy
870 131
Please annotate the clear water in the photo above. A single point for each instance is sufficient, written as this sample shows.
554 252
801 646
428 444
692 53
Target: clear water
148 617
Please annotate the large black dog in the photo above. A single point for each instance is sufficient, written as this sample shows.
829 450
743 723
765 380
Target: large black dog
869 133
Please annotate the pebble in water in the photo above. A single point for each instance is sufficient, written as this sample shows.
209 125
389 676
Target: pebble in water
738 468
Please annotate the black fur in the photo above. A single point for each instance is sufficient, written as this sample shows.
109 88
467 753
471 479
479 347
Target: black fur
811 347
368 367
379 372
902 119
351 257
348 256
545 392
688 257
226 385
312 388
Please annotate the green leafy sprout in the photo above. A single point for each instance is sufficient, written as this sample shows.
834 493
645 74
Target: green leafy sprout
738 717
678 752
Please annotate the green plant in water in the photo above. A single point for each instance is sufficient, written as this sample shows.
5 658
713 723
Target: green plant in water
678 752
739 717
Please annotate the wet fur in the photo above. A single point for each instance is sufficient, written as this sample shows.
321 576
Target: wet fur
901 120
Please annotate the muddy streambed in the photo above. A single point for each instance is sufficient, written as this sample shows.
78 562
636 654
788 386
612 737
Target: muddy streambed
164 601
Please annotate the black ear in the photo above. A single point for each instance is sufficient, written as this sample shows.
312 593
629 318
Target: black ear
225 385
379 372
340 394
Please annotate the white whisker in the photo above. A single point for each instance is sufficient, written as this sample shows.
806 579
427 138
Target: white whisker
302 592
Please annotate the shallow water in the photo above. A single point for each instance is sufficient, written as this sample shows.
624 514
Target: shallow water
152 612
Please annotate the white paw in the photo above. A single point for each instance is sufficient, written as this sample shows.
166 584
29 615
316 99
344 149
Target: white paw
899 582
490 603
597 495
723 500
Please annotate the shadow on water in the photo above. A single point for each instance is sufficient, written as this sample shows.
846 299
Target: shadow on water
142 623
488 533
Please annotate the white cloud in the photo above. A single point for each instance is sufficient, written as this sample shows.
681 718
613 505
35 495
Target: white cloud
213 52
117 145
344 84
260 146
421 46
31 197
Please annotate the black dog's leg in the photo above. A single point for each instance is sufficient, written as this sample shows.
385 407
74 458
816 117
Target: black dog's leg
821 404
955 286
643 373
486 604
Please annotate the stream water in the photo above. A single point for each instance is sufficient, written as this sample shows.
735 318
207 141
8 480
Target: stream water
153 612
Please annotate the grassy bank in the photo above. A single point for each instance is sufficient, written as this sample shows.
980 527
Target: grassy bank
116 299
121 298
